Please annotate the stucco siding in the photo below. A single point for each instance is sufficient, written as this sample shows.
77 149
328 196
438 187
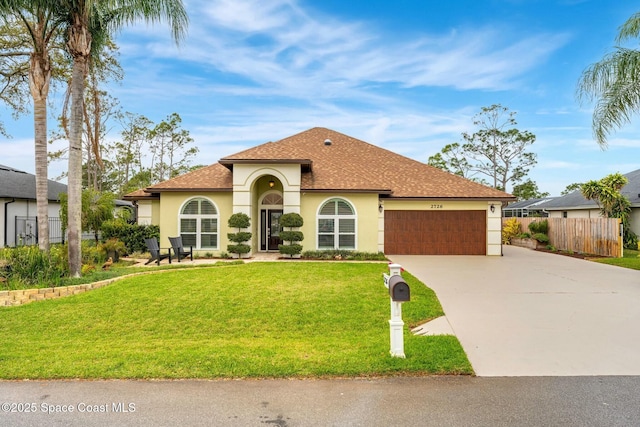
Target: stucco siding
366 207
169 208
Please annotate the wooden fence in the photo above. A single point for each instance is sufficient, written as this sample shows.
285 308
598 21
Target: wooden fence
598 236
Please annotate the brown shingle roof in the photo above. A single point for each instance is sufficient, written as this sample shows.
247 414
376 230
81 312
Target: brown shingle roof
210 178
353 165
347 164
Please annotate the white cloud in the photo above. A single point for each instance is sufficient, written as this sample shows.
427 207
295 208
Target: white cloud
283 49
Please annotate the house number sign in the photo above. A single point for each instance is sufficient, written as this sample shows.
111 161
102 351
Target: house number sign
437 206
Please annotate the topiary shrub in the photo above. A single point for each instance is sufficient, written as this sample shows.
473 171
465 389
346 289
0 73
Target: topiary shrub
291 220
239 220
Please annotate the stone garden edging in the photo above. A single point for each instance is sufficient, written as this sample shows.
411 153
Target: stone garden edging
25 296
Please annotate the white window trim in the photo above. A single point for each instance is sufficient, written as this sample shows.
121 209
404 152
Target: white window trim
336 226
198 224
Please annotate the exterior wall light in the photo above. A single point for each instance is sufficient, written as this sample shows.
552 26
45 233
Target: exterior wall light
272 183
493 208
380 208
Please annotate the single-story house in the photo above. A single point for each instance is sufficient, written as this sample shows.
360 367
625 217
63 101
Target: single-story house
351 195
574 205
18 211
526 208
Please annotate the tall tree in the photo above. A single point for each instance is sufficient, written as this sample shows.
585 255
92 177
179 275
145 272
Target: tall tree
43 24
497 151
528 190
614 83
170 148
127 153
88 23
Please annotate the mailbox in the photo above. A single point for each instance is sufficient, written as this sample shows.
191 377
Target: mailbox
398 289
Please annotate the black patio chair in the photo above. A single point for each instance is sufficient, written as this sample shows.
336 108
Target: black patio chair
178 248
155 251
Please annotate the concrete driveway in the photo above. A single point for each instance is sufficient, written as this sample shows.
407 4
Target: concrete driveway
530 313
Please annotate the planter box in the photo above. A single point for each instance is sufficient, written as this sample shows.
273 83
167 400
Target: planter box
528 243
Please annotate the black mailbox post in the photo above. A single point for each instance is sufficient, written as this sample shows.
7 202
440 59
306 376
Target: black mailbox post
398 289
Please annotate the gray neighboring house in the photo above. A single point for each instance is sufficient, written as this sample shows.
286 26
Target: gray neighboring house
574 205
18 212
526 208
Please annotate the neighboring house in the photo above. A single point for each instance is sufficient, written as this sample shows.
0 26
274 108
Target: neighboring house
574 205
18 212
526 208
352 195
18 209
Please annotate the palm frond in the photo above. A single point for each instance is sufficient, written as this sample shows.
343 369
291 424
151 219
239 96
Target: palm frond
630 29
615 83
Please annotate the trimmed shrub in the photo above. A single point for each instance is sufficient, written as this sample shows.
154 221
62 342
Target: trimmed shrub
291 220
132 235
239 221
293 237
290 249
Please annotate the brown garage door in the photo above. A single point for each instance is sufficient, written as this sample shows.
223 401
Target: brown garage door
435 232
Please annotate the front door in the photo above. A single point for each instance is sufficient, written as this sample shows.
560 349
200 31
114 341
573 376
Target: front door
270 229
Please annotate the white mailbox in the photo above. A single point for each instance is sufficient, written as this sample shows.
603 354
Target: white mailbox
398 293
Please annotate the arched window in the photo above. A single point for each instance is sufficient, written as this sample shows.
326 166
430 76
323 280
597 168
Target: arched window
272 199
336 225
199 224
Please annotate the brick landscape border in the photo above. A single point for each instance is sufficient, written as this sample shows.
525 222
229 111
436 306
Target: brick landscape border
25 296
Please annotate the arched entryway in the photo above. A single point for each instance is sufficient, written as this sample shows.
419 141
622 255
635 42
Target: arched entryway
271 207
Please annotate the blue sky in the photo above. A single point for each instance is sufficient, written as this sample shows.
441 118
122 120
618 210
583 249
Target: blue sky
407 75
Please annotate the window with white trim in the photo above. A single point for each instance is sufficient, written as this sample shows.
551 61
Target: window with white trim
199 224
336 225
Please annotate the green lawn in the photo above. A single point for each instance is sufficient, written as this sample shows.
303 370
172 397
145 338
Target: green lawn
631 259
252 320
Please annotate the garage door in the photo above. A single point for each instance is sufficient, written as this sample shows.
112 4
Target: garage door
435 232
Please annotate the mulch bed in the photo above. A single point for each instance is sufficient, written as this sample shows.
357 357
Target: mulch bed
570 254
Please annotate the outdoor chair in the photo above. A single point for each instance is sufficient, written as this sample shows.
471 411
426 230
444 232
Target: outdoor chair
155 251
178 248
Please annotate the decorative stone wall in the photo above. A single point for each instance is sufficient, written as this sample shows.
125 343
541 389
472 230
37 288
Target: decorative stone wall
25 296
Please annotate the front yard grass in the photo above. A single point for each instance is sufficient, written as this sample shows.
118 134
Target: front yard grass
261 320
630 259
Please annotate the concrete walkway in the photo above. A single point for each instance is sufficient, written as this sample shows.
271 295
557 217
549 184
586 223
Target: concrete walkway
530 313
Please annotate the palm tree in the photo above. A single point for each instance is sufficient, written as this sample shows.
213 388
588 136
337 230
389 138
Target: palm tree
88 24
42 23
614 82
